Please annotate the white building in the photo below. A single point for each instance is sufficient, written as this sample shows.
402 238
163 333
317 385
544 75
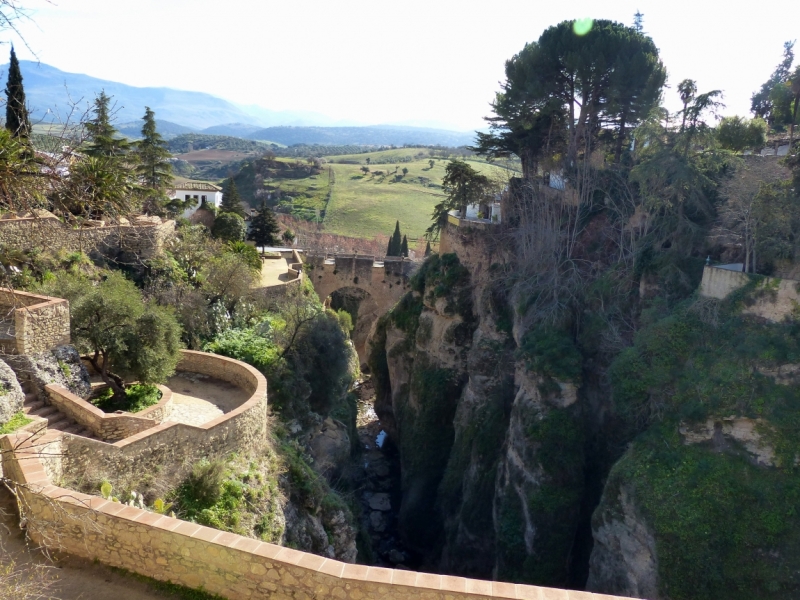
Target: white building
200 191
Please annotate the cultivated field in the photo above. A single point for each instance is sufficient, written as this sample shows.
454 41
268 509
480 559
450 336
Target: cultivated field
365 205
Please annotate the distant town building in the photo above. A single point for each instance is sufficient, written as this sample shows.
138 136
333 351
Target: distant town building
201 191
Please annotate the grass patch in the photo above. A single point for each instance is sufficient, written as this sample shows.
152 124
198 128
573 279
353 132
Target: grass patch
138 397
18 420
366 206
239 495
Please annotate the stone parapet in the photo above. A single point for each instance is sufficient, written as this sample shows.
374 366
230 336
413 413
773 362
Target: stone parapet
140 241
222 563
170 448
109 427
38 323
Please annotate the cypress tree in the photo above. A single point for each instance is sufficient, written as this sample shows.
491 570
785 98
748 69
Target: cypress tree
17 121
389 248
231 201
264 228
404 247
395 246
428 249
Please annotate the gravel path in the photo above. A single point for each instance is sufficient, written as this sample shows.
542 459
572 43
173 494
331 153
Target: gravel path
198 399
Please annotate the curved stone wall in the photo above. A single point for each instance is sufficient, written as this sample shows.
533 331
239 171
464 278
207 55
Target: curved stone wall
221 563
170 448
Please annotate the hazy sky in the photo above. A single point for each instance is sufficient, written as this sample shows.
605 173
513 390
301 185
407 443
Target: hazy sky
436 61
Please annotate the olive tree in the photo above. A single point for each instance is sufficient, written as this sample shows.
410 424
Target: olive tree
123 337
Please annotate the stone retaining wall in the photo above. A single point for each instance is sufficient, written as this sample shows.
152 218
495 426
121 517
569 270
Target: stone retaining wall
140 241
775 299
109 427
169 449
222 563
40 323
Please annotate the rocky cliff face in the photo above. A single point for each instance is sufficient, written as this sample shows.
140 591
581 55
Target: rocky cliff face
491 453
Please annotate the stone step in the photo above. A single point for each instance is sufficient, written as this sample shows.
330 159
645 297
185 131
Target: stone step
72 427
30 407
46 411
58 421
31 397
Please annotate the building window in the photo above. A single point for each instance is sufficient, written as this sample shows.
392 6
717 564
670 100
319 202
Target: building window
187 197
203 199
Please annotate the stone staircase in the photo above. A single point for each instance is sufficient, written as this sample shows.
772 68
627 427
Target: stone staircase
56 420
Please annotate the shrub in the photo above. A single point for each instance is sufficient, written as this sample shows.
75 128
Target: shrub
229 227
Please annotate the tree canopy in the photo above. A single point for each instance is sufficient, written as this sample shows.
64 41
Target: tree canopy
564 90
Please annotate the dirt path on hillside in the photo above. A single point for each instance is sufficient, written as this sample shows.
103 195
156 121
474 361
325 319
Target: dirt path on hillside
71 578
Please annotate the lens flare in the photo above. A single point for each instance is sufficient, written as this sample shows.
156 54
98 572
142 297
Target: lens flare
582 26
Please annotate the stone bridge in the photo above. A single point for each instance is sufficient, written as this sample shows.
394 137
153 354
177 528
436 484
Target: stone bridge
365 286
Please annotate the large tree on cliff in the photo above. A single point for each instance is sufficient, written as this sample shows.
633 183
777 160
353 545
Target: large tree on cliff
463 186
17 120
564 89
762 101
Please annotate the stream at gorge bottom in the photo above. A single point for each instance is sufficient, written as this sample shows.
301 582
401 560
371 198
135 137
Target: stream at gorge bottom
375 474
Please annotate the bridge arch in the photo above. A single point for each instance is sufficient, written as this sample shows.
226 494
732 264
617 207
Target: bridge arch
383 281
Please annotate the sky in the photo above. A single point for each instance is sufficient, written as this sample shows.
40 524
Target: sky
417 62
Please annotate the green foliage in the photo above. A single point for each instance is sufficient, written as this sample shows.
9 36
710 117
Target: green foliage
229 227
106 489
137 398
104 141
19 419
463 186
345 320
704 360
123 335
395 242
243 494
708 544
738 134
247 253
405 314
443 276
551 352
196 141
247 345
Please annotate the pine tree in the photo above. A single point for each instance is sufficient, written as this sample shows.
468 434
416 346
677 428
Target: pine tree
103 138
404 247
153 166
17 121
231 201
264 228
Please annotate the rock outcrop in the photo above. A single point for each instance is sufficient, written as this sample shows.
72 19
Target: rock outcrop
623 560
11 396
61 366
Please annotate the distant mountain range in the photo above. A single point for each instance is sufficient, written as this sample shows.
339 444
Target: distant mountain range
373 135
53 94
